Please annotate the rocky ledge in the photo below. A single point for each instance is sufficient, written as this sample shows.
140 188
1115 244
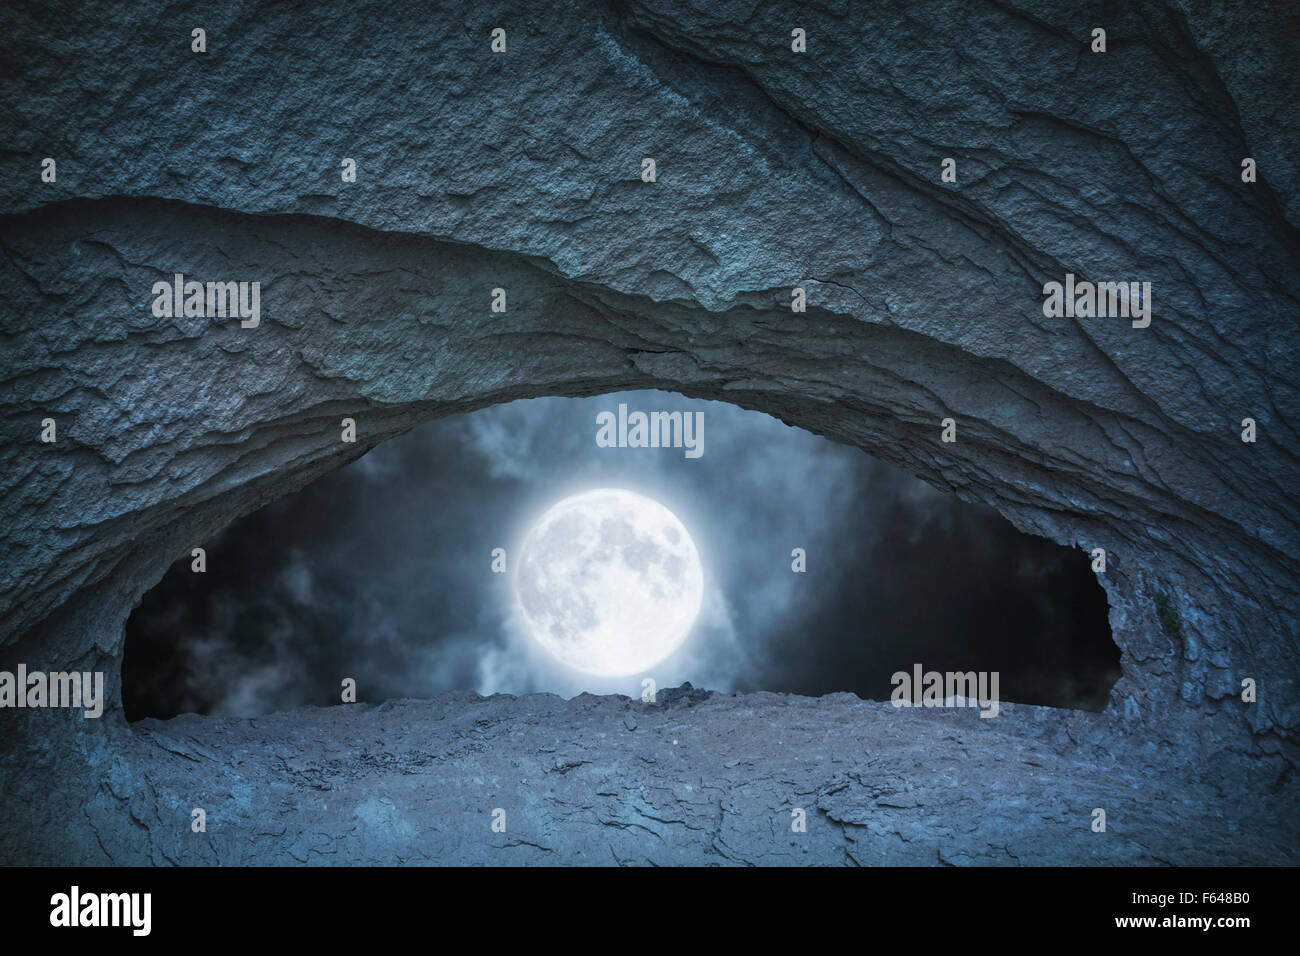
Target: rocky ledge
694 778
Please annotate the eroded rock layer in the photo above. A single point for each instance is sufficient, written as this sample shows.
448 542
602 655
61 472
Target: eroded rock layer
522 170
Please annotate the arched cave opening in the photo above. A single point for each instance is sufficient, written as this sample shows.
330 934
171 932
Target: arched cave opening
383 573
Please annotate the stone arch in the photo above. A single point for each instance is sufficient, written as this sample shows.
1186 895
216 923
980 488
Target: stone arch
818 171
184 425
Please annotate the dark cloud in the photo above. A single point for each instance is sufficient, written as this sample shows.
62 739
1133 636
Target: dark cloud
381 572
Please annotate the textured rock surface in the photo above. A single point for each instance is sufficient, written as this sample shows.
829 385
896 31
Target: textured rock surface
689 779
775 170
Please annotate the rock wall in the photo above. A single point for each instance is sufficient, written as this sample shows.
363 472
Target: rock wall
522 170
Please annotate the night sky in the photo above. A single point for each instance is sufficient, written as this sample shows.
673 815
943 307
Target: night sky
381 572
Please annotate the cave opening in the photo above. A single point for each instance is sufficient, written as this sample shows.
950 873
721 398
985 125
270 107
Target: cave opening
824 570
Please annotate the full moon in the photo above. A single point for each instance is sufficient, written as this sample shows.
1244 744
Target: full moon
609 582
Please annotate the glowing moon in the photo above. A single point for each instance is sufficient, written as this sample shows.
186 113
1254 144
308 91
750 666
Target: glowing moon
609 582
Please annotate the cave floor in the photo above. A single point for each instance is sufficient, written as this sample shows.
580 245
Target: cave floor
694 778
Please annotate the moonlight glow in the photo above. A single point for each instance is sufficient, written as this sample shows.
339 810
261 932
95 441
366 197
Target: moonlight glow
609 582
